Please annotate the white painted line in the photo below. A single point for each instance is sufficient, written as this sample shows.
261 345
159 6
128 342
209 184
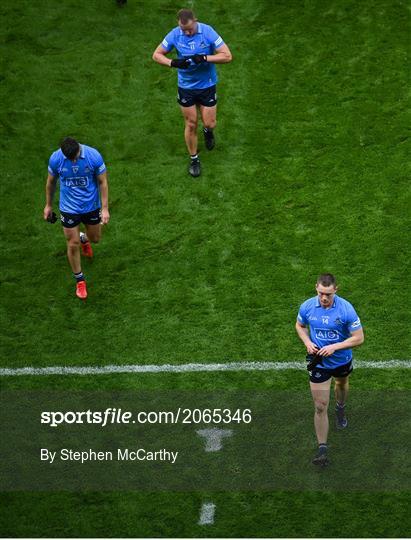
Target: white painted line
207 514
214 438
189 368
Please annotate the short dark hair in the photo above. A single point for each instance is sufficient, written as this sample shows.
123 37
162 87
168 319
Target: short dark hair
70 147
327 280
186 15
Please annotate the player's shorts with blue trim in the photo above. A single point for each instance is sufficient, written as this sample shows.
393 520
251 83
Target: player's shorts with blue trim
197 96
319 375
69 221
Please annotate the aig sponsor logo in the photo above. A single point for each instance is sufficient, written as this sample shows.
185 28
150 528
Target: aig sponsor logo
76 181
326 334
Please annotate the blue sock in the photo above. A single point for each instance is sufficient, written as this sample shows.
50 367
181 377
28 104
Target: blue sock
79 277
322 448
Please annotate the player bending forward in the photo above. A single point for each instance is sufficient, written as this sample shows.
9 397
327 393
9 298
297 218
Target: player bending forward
329 327
83 181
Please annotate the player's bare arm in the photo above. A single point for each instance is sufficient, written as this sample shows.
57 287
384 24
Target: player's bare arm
103 183
160 56
222 56
304 335
50 190
355 340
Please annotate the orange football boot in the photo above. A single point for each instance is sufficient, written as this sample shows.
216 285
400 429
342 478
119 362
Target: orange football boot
87 250
81 290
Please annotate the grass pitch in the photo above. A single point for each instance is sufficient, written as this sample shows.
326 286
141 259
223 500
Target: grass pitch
309 174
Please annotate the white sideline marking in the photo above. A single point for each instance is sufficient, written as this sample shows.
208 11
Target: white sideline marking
188 368
207 514
214 438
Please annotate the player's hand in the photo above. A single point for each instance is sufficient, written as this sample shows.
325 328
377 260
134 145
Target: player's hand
199 58
311 348
180 63
105 216
48 210
328 350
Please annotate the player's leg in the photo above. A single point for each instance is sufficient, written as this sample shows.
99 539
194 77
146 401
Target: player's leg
73 248
190 128
209 119
208 110
93 233
321 397
320 392
72 235
341 387
190 135
92 223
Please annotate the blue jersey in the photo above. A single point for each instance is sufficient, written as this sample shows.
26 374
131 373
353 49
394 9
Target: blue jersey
330 326
205 41
79 188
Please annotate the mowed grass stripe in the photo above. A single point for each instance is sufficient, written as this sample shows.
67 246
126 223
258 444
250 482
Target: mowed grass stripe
189 368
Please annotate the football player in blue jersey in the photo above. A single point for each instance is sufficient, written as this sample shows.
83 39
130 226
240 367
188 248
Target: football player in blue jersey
83 199
199 48
329 327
